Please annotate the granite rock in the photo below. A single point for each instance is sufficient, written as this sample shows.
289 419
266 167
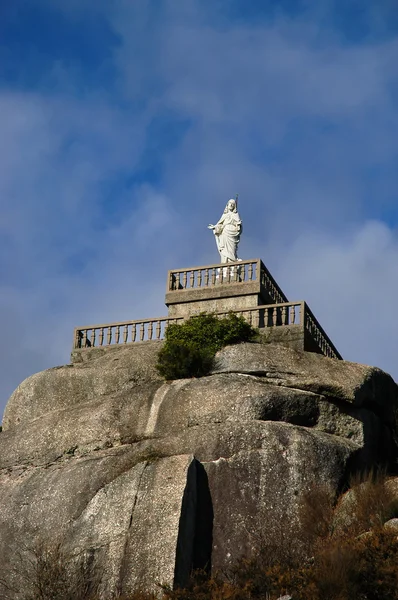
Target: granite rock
152 478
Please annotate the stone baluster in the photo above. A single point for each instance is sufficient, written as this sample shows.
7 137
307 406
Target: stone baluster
117 335
125 334
192 279
109 336
220 275
250 272
184 280
200 278
84 341
142 332
158 329
133 332
150 330
213 276
93 335
206 277
101 336
255 318
292 319
302 315
275 316
284 315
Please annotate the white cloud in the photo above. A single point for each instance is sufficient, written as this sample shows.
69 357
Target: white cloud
351 280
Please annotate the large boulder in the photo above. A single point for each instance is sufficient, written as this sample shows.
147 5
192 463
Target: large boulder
355 384
150 478
93 375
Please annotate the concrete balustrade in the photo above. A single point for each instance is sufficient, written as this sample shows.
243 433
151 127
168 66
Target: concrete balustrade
227 286
243 272
209 275
125 332
282 315
244 287
271 315
317 334
268 283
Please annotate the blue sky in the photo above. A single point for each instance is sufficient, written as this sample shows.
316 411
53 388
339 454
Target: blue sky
127 125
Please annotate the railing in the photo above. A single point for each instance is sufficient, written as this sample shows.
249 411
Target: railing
317 333
271 286
124 332
242 271
270 315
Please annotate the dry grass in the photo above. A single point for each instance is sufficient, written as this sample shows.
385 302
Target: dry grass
46 571
320 561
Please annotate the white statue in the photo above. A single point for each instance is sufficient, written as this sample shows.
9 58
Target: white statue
227 232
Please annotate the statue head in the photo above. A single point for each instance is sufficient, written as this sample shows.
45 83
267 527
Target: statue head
231 205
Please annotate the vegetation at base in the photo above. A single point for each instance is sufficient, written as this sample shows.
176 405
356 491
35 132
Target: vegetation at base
47 571
364 569
341 552
190 347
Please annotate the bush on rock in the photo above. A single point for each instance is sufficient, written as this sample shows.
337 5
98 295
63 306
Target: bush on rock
189 348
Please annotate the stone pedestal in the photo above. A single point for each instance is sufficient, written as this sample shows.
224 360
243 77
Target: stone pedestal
219 288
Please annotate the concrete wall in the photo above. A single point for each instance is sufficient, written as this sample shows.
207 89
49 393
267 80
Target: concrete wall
234 303
289 335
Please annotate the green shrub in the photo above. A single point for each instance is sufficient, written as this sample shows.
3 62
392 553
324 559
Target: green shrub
189 348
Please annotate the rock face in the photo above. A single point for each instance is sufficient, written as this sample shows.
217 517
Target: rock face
151 479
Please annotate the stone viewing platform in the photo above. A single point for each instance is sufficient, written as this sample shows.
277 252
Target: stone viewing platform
245 287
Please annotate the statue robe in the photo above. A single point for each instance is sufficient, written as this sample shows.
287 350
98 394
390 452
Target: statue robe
227 232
